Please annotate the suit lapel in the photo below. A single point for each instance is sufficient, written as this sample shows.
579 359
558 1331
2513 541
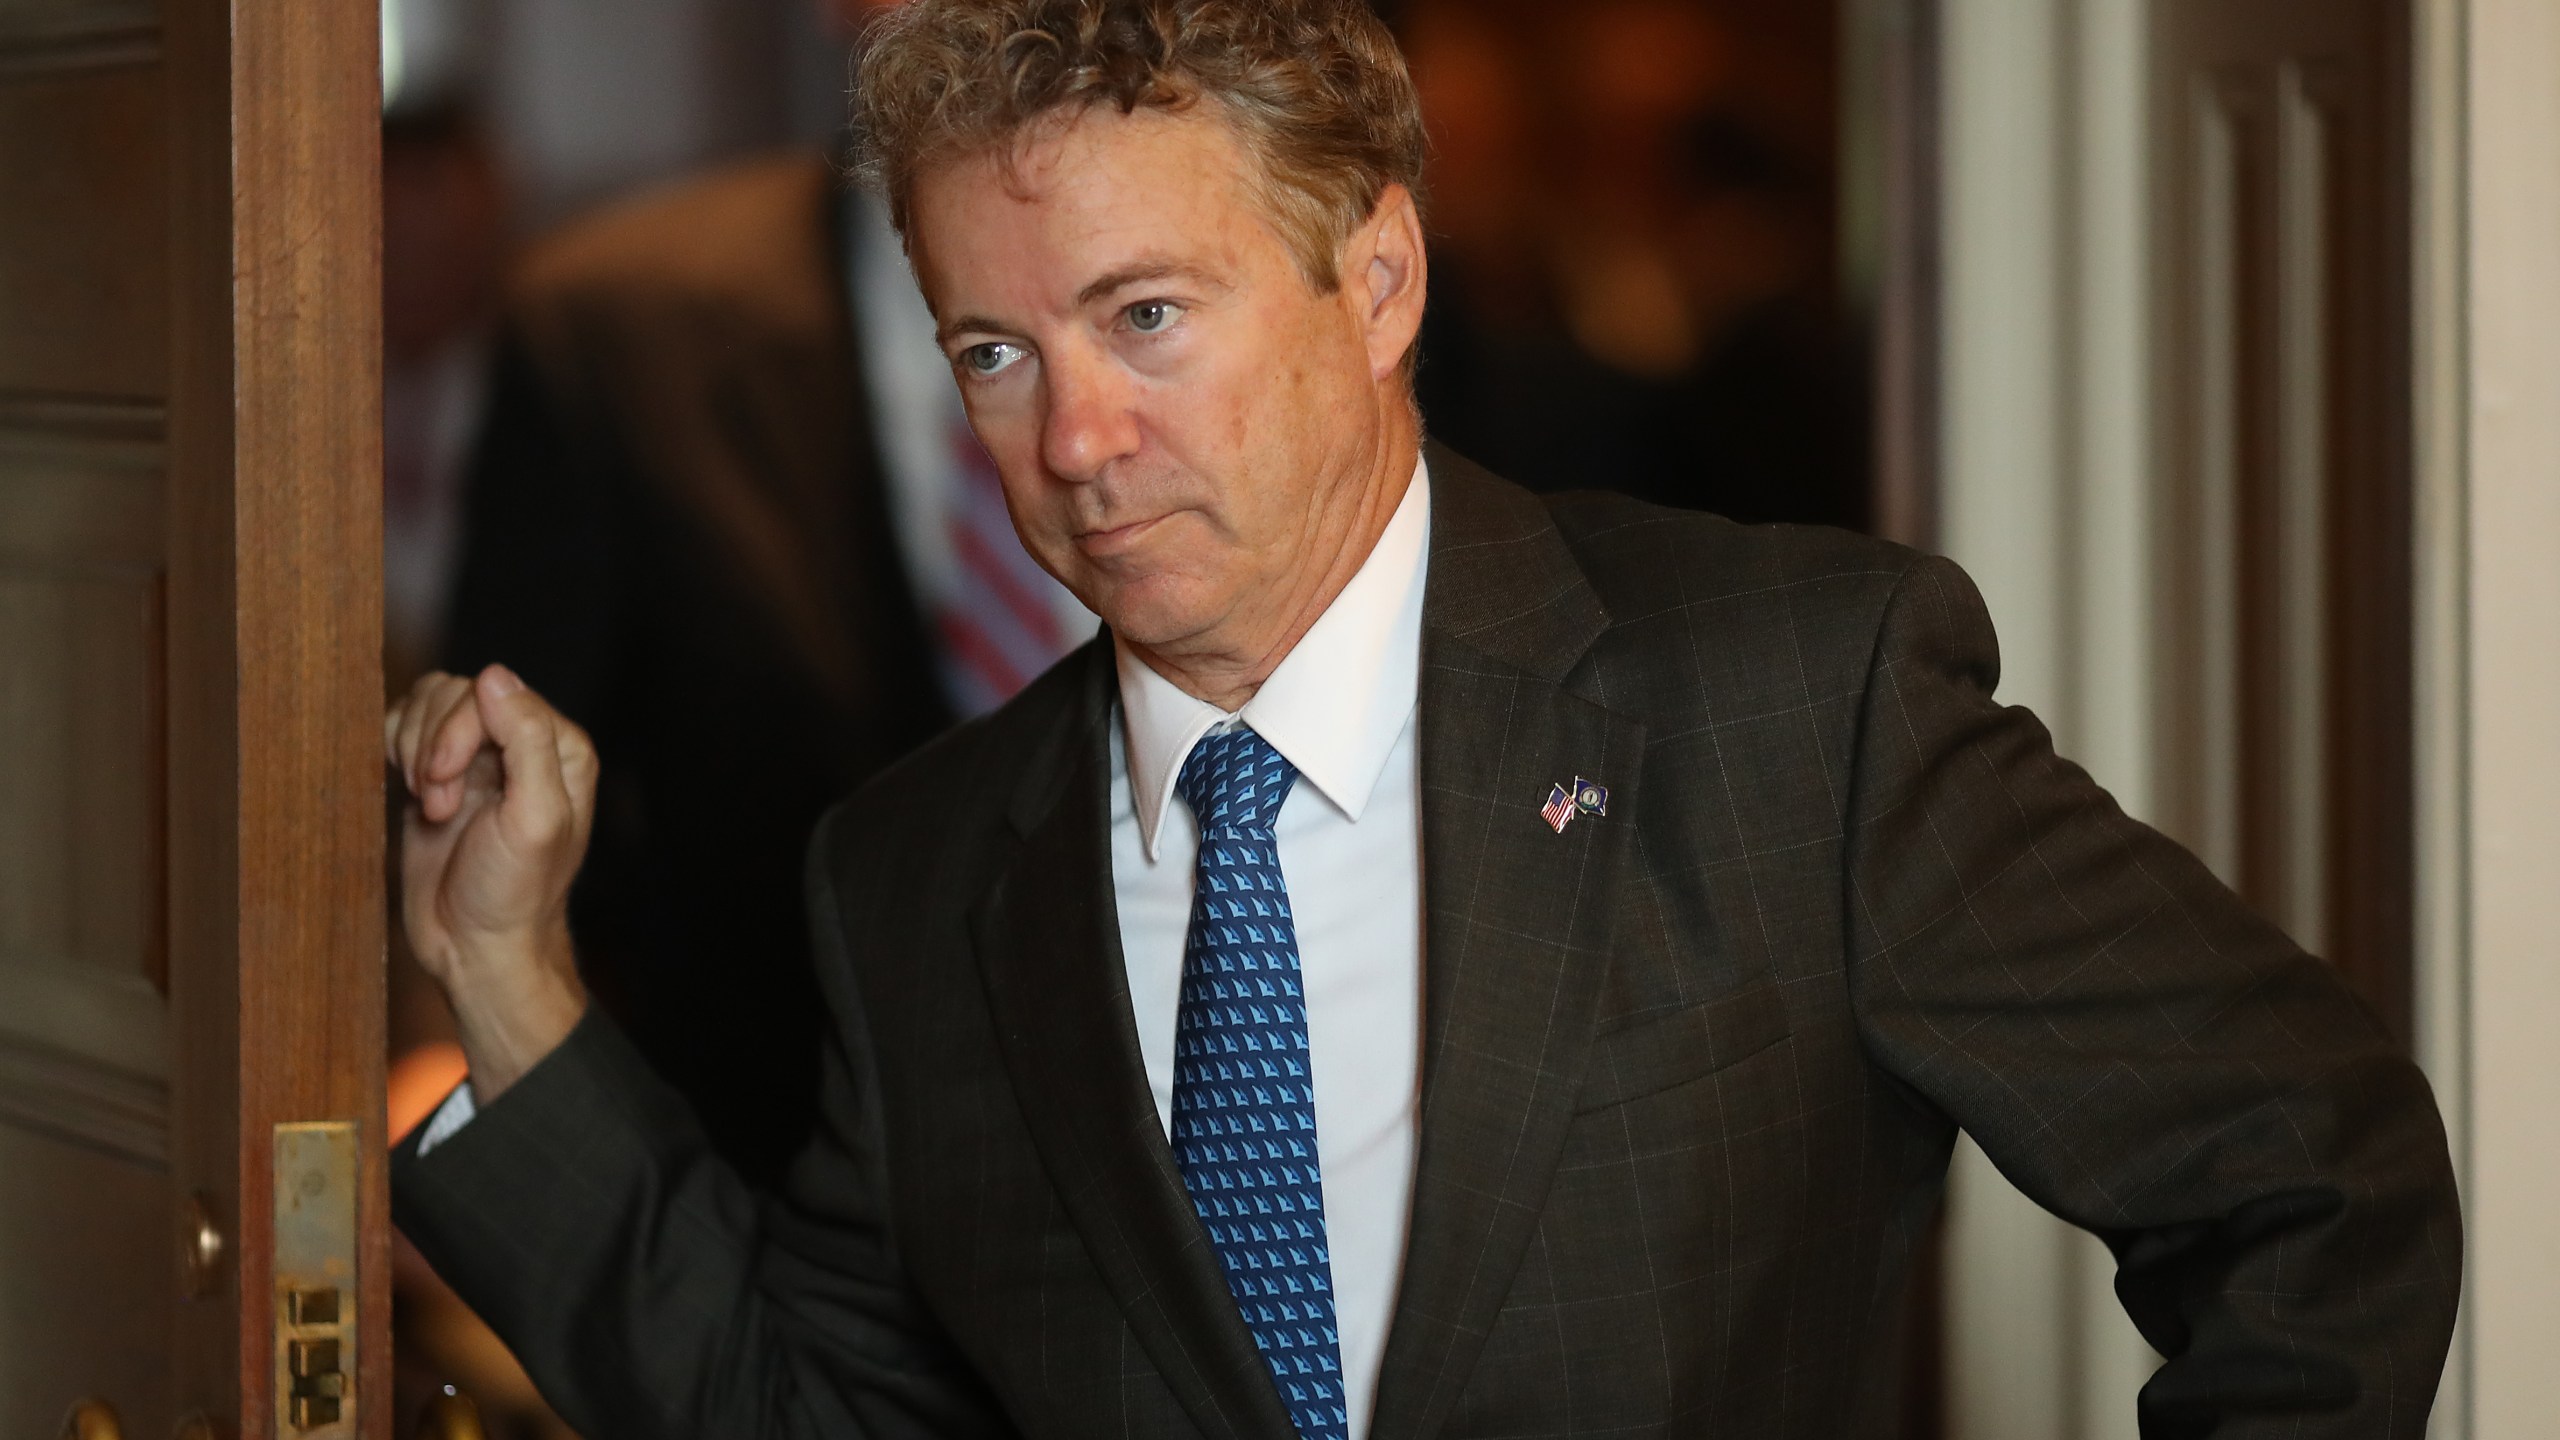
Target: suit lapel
1518 918
1048 942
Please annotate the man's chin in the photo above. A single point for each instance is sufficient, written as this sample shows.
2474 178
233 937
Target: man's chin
1156 614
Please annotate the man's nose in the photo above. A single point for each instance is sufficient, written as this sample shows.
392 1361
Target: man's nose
1092 419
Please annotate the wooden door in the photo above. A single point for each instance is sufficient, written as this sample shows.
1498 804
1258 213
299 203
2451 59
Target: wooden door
190 818
2283 157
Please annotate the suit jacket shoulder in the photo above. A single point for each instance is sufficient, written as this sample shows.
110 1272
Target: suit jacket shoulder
1689 619
1645 558
749 241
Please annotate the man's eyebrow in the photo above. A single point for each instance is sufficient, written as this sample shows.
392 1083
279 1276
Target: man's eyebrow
1137 274
969 325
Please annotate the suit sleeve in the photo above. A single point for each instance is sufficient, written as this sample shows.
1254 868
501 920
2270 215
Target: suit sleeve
650 1294
2144 1056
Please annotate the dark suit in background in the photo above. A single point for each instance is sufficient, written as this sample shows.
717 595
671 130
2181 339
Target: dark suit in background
1691 1072
678 533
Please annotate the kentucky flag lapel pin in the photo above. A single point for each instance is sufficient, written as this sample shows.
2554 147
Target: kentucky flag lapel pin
1560 809
1590 799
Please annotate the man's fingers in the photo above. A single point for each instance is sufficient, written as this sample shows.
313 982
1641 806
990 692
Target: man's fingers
529 736
417 716
391 737
491 732
455 732
415 713
411 717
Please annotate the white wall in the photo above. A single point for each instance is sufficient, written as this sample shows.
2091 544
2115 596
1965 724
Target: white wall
2489 666
2046 494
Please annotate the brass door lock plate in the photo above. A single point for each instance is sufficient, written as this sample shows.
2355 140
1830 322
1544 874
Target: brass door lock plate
315 1280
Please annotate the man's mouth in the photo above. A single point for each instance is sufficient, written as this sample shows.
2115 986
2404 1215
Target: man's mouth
1118 540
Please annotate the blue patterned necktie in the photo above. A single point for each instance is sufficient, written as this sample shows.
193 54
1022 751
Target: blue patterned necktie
1244 1100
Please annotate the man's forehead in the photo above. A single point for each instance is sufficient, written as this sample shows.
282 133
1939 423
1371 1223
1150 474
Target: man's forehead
1069 154
1090 205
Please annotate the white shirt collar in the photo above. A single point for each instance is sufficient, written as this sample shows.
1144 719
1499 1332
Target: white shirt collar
1335 705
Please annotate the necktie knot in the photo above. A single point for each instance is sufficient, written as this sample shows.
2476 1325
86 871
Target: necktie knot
1235 783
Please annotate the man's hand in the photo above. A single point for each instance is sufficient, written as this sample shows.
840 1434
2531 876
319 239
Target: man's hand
502 791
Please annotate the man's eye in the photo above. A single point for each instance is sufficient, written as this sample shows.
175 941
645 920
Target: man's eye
1153 317
993 358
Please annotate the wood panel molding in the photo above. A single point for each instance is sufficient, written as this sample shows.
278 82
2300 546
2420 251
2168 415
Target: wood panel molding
2284 372
84 282
135 428
72 1098
52 36
81 500
117 1021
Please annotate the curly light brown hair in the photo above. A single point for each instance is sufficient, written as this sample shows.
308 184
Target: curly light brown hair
1316 89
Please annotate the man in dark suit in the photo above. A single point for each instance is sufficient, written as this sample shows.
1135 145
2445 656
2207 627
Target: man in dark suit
1446 962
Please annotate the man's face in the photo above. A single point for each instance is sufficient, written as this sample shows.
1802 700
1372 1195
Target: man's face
1187 429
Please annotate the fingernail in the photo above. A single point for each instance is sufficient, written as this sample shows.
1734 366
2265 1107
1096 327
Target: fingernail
502 681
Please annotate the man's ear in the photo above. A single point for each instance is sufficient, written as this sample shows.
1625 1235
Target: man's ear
1388 269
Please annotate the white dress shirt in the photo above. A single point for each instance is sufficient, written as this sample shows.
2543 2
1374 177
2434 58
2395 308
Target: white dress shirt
1341 709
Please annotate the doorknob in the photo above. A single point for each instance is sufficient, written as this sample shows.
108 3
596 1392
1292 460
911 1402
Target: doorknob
202 1243
92 1420
451 1416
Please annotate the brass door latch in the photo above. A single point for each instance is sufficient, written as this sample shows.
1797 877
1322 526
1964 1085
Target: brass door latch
315 1281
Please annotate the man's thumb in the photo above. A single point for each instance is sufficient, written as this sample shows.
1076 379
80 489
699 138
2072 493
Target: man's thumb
523 725
513 715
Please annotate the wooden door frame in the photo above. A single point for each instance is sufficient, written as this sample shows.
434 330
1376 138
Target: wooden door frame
274 613
1908 339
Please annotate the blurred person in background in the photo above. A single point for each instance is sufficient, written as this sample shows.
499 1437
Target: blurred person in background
722 444
1634 223
445 223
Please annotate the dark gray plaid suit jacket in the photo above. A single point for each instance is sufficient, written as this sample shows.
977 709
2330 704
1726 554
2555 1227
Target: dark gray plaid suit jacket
1691 1071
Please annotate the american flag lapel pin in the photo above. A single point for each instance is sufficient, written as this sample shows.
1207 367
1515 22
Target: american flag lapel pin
1560 809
